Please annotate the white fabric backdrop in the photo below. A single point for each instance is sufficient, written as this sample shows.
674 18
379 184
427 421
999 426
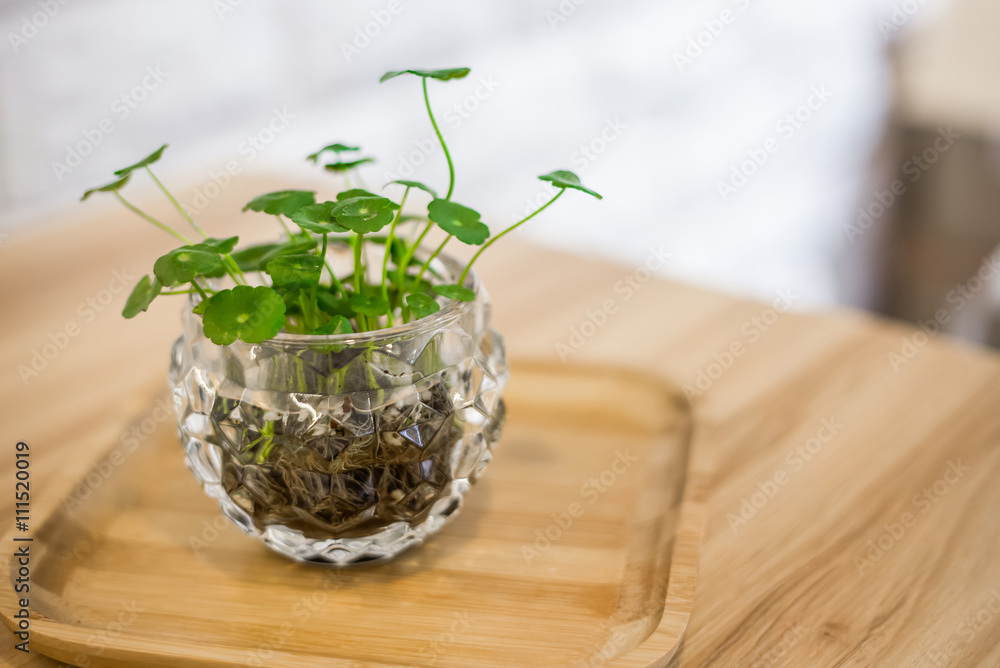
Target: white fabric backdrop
670 98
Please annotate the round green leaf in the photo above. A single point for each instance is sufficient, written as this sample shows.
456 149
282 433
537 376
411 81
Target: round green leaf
562 178
458 292
221 246
458 220
422 305
370 305
213 245
334 305
282 202
318 218
292 272
248 314
411 284
337 324
110 187
256 257
249 259
441 75
334 148
344 166
398 250
143 294
148 160
416 184
199 308
186 263
354 192
364 214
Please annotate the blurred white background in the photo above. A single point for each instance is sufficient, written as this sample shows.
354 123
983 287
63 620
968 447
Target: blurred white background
654 104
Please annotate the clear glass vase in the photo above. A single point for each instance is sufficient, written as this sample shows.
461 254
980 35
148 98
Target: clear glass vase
344 449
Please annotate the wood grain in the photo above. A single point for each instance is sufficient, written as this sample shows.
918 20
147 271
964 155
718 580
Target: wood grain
785 589
576 546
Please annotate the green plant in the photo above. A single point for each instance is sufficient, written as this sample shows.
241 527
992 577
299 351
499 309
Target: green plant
291 285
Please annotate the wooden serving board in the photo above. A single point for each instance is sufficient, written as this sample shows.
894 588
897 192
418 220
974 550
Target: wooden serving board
578 547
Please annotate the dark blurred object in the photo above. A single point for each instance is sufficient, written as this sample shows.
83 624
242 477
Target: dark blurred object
942 223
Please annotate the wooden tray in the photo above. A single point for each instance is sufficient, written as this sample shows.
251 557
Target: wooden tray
580 541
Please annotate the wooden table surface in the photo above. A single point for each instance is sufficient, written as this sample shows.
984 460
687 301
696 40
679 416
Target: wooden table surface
853 505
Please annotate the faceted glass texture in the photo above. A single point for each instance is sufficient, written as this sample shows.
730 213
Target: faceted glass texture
344 449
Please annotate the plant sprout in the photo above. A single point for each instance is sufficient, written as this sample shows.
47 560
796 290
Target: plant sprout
290 285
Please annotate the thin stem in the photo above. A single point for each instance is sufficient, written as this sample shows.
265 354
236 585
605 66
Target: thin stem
312 293
266 433
186 292
461 279
358 267
287 231
405 263
154 221
388 252
322 256
233 269
176 204
426 264
200 290
359 276
308 309
333 277
437 131
416 228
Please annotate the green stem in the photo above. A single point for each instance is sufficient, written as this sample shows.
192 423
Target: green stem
461 280
322 257
334 279
416 228
200 290
287 231
186 292
230 265
233 269
154 221
358 267
267 433
308 306
310 310
437 131
176 203
405 263
359 282
254 442
426 264
388 252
